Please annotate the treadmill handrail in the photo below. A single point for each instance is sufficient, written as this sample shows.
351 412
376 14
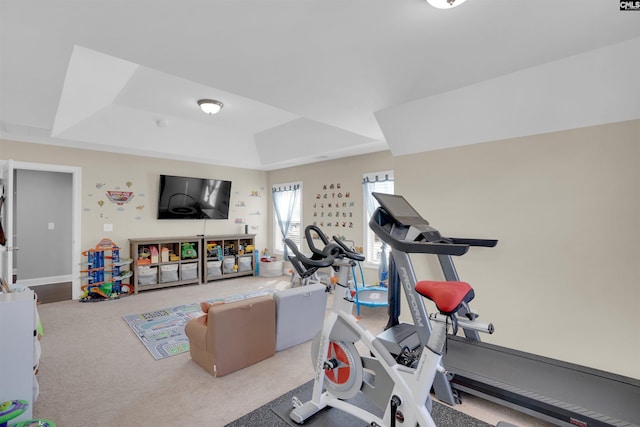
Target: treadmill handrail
486 243
438 248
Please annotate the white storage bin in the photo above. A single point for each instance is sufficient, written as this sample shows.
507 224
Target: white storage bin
189 271
271 269
214 268
244 263
169 273
228 263
147 275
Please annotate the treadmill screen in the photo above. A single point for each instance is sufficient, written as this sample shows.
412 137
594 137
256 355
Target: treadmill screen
398 207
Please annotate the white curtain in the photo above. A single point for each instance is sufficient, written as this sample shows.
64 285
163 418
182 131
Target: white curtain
381 182
285 200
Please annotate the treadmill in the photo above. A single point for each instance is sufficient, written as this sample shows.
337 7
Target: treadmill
558 392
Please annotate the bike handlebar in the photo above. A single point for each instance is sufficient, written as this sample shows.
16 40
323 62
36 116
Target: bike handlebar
325 257
348 252
309 237
328 254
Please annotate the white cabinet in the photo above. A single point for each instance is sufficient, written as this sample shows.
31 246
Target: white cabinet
17 360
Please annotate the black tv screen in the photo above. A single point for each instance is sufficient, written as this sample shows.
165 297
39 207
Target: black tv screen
193 198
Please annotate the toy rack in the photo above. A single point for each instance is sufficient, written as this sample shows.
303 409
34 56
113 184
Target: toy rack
98 288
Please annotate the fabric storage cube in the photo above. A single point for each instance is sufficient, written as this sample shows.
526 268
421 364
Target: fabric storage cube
189 271
244 263
271 269
228 263
147 275
169 273
214 268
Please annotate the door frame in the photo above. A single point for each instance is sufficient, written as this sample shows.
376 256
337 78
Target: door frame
76 212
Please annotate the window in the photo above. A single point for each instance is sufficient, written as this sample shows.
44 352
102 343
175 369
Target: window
287 206
380 182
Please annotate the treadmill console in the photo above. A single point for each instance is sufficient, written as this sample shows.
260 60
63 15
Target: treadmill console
408 223
426 233
399 225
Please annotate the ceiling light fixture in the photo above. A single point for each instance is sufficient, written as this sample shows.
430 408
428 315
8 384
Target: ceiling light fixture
210 106
445 4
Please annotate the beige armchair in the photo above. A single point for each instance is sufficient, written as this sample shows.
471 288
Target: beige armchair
234 335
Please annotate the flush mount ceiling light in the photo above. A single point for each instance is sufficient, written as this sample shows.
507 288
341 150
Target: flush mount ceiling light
445 4
210 106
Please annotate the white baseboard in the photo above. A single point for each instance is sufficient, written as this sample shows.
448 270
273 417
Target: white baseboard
43 280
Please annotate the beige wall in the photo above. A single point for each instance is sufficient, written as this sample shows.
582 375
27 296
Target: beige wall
563 280
137 219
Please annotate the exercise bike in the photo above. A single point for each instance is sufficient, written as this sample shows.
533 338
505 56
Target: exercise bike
306 275
399 388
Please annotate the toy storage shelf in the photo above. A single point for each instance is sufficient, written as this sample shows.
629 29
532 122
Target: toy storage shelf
160 263
227 256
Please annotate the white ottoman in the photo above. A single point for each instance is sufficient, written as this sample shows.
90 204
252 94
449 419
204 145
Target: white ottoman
299 314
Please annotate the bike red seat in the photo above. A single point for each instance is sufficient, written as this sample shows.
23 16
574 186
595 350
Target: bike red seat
448 296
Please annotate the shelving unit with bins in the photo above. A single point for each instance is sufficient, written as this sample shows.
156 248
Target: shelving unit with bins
228 256
160 263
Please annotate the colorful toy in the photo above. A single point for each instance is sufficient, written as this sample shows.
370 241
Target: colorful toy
35 423
188 251
14 408
11 409
144 256
212 249
154 254
98 288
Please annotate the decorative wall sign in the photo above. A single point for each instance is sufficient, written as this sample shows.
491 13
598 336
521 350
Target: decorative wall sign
119 197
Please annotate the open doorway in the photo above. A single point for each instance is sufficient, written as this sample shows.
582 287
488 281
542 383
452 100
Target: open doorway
43 229
45 219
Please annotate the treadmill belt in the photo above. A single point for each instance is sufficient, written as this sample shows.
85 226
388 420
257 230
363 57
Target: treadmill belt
557 389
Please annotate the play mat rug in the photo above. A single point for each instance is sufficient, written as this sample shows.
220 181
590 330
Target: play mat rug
162 331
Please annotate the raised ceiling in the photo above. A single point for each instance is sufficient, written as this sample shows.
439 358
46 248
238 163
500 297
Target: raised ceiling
309 80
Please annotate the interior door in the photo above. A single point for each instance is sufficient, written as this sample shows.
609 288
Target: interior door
6 191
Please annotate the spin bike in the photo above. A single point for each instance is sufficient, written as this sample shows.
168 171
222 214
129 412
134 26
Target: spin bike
307 274
401 392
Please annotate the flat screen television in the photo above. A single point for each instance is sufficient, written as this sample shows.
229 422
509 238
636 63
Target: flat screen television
193 198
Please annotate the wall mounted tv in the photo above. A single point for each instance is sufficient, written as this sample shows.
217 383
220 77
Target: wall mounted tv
193 198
